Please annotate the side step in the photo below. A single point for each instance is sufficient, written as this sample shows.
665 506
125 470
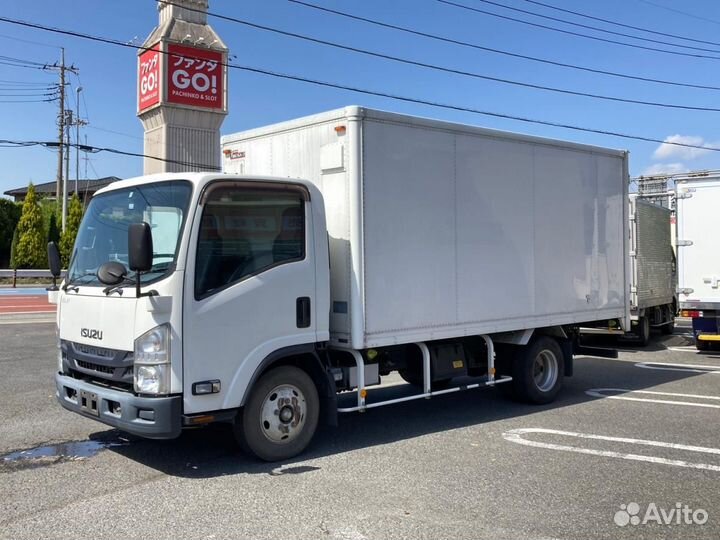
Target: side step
426 395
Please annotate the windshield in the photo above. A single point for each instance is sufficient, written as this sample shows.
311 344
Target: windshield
103 234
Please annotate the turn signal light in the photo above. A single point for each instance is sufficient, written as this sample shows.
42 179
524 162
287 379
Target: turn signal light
693 314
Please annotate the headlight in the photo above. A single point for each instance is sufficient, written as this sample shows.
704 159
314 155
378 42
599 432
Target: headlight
152 361
152 379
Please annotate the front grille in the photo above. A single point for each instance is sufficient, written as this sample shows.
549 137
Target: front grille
95 367
95 351
111 366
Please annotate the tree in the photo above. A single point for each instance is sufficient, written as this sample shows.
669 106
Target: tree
9 216
53 231
49 210
31 249
72 225
13 250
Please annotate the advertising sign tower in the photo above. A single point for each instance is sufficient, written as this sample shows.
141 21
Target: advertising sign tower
182 90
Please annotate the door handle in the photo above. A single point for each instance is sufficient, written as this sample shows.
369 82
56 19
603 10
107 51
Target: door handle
302 312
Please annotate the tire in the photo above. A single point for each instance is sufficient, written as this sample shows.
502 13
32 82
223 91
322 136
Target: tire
281 416
669 328
537 371
702 345
643 331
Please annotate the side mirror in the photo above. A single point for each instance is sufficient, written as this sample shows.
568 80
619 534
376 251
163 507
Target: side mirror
111 273
55 264
54 259
140 247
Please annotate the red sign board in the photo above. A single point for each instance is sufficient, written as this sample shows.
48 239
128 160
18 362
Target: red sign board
194 77
149 79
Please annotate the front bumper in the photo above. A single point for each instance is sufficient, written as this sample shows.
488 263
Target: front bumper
153 418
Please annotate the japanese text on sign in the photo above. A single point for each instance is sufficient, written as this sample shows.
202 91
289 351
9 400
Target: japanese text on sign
148 79
195 77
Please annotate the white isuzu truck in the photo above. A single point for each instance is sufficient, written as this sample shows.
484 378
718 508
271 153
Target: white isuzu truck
335 250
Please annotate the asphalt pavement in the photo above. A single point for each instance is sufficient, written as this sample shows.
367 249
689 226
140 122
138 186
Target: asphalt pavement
629 445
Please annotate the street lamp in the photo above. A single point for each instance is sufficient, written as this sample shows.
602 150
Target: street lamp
77 139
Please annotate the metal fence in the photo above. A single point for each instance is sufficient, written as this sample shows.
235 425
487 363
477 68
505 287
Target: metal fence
15 274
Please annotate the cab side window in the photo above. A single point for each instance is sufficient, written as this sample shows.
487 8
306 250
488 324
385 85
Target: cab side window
245 231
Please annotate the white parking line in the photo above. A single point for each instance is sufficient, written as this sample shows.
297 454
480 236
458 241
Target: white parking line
601 392
690 368
685 348
515 436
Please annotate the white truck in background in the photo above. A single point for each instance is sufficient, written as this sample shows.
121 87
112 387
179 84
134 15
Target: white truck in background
698 222
653 270
336 249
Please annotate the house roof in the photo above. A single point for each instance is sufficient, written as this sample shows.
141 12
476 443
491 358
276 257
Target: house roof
48 188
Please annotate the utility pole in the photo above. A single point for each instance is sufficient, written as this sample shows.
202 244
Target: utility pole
61 69
68 123
78 123
61 126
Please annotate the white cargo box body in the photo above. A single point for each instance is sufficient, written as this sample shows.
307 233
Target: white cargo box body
440 230
698 222
652 261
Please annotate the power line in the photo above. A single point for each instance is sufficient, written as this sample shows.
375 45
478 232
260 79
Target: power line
679 12
28 100
96 150
578 34
13 38
595 28
608 21
21 61
24 83
500 51
15 64
376 93
443 69
51 94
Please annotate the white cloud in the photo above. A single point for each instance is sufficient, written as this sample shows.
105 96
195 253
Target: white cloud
664 168
666 151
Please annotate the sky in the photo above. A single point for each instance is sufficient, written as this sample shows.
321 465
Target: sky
108 73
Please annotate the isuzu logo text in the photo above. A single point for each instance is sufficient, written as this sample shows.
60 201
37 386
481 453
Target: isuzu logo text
91 334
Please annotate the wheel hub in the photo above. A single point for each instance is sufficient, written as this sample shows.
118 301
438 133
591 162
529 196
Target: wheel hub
545 370
283 413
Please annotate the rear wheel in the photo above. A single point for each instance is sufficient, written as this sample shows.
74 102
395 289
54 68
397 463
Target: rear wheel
281 415
643 331
668 328
537 371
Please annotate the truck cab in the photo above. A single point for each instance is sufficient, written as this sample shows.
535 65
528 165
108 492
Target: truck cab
238 277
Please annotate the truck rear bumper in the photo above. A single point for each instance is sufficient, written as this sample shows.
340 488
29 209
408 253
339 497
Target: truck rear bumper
153 418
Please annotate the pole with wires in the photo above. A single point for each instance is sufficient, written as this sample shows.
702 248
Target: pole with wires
61 128
68 123
78 122
61 68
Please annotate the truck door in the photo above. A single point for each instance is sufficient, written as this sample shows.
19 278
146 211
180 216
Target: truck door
249 287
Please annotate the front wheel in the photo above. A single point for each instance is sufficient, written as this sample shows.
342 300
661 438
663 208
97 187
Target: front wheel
281 415
537 371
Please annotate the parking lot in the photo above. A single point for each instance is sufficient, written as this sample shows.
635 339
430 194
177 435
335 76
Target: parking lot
624 437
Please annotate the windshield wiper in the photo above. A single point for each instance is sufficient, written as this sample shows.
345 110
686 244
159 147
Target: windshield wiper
118 288
69 283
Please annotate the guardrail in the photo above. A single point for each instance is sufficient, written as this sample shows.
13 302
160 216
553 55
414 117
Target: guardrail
19 273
